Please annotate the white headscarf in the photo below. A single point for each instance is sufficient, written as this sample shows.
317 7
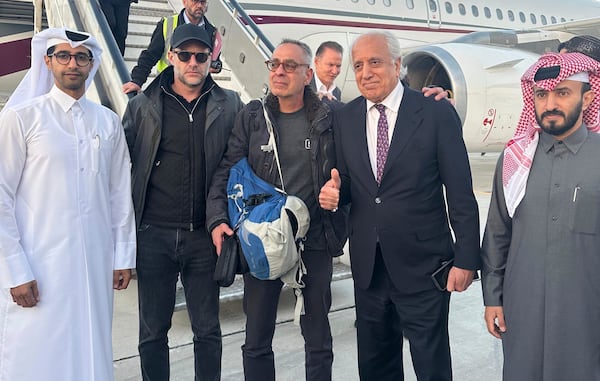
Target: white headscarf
39 78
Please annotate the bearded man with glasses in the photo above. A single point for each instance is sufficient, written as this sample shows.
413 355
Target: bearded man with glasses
177 132
302 128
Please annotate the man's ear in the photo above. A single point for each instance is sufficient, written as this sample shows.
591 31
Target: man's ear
588 98
48 60
170 56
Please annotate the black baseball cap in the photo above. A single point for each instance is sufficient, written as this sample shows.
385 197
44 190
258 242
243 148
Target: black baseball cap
190 32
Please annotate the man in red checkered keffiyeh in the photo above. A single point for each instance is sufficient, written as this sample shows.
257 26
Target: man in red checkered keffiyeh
546 73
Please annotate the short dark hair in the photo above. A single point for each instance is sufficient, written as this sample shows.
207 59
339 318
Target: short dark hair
329 45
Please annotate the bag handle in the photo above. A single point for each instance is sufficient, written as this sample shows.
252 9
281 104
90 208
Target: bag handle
272 142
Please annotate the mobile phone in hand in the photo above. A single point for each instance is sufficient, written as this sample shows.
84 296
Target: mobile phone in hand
440 276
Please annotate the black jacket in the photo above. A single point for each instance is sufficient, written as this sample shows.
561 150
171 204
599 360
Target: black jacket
149 57
143 121
250 132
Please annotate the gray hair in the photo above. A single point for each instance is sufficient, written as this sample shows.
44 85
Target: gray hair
306 52
391 41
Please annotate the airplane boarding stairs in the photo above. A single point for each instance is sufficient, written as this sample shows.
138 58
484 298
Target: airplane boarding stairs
244 51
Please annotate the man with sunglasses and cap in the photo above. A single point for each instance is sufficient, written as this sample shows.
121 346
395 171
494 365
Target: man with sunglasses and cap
67 230
177 131
193 12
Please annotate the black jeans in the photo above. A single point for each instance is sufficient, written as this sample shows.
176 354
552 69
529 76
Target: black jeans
260 305
163 255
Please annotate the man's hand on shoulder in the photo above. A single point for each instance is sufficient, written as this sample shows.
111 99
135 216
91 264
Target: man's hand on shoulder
131 87
26 294
438 93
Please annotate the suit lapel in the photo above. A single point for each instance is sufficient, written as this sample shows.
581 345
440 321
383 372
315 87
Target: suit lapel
408 121
357 140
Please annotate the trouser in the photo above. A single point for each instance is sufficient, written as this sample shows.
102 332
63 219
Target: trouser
117 17
260 305
163 255
386 314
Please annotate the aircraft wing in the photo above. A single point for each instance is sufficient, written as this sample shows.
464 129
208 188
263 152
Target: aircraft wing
589 26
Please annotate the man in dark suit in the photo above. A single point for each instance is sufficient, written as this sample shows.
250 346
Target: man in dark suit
393 165
327 63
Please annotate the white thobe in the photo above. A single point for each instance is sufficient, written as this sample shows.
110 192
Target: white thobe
66 220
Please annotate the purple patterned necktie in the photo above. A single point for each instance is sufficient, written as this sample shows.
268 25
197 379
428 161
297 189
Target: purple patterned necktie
382 141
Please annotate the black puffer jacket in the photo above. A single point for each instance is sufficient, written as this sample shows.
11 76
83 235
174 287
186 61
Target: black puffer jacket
250 133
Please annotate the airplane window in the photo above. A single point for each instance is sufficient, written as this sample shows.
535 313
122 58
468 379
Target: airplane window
544 21
533 18
511 15
461 9
432 6
410 4
387 3
562 19
371 2
553 19
522 17
487 12
475 10
448 7
499 14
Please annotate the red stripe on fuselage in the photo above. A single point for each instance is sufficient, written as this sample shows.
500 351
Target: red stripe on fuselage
15 56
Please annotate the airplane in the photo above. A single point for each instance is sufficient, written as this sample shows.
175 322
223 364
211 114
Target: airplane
476 49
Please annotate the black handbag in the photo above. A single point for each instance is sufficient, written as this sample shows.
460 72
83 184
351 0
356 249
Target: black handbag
230 262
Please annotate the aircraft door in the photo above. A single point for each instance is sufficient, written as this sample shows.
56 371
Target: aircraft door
434 19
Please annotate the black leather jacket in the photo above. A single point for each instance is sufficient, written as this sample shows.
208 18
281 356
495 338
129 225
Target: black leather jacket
143 123
250 132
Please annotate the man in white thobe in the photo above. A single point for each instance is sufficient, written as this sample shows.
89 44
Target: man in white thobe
67 234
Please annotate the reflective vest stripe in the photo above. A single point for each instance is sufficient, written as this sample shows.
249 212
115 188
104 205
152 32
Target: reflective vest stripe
169 25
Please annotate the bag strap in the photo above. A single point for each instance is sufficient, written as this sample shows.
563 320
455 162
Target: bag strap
272 142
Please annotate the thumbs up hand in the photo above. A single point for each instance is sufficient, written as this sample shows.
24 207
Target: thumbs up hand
329 196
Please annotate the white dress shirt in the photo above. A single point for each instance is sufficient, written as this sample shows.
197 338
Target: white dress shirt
392 104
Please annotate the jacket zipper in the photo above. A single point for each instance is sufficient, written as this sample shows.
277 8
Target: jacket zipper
191 135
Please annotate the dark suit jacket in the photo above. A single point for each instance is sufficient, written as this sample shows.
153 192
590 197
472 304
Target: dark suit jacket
337 93
407 212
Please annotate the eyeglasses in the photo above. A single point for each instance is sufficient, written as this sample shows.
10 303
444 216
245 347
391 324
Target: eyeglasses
63 58
289 66
184 56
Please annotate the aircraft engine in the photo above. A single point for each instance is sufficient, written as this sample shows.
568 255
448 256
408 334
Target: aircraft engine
485 82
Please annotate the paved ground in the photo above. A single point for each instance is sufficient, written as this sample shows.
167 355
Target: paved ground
476 355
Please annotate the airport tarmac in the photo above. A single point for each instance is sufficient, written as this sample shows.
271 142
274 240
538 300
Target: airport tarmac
476 355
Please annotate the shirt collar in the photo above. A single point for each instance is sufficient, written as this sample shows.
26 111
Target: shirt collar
66 101
320 85
187 20
573 142
392 101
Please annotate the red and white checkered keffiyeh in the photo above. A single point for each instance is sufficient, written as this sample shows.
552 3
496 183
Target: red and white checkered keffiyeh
519 151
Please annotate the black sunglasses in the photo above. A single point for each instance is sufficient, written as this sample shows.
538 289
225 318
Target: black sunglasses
184 56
